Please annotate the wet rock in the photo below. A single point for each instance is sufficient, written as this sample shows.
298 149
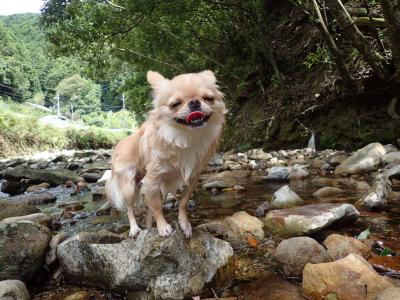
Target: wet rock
337 158
390 148
92 177
321 182
215 185
139 295
169 268
285 197
241 223
13 290
105 209
39 218
308 219
339 246
216 227
363 160
13 187
34 198
294 253
102 237
216 160
258 154
22 250
74 165
82 295
286 173
263 209
392 157
53 177
38 187
393 172
228 177
8 210
349 278
377 199
389 294
51 254
328 192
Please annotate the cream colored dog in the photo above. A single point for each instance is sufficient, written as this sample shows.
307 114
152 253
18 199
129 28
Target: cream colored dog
169 150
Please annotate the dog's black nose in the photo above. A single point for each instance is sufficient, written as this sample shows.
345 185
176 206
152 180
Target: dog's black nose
194 104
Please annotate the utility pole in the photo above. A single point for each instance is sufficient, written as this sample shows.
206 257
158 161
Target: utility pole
123 109
72 111
58 103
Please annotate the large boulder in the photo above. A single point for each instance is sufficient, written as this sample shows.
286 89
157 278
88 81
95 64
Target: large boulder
285 197
364 160
53 177
339 246
294 253
171 268
350 278
9 210
241 223
392 157
22 248
308 219
13 290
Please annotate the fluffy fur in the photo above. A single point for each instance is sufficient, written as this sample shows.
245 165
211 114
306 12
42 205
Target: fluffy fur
168 152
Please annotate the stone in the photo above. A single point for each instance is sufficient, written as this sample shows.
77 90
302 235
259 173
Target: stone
321 182
377 199
386 264
39 218
339 246
215 185
285 197
328 192
393 172
337 158
241 223
392 157
390 148
263 209
13 290
12 187
216 160
92 177
34 188
170 268
51 254
294 253
364 160
350 278
53 177
22 248
258 154
34 198
307 219
391 293
81 295
286 173
8 210
228 177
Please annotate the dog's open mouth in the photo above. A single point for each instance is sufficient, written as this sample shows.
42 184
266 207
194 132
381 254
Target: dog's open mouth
194 119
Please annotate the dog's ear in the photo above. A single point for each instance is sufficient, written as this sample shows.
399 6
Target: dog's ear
155 79
209 75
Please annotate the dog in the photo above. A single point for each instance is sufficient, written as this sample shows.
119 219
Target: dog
167 153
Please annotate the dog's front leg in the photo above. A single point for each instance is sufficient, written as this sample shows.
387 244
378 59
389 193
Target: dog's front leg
182 217
152 198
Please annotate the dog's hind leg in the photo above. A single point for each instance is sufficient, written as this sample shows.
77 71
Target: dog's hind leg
129 193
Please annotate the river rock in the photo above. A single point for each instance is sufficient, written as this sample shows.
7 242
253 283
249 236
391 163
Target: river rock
34 198
171 268
377 199
263 209
286 173
364 160
308 219
216 160
393 172
350 278
13 290
258 154
392 157
294 253
22 248
328 192
337 158
389 294
81 295
241 223
53 177
8 210
12 187
51 254
285 197
220 184
339 246
39 218
92 177
41 186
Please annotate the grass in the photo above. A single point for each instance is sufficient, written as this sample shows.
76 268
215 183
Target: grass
21 133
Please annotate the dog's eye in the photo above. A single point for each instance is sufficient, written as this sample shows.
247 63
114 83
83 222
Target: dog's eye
176 104
208 98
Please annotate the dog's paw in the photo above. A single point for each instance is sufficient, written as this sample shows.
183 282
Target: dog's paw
186 227
164 229
134 231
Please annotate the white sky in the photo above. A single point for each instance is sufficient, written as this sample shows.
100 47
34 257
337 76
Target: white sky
9 7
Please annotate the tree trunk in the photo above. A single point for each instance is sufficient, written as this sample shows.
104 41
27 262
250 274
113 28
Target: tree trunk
391 11
337 56
351 31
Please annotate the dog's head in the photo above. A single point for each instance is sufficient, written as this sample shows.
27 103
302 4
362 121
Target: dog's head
188 100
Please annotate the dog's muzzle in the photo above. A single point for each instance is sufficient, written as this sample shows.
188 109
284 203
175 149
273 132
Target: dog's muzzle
194 119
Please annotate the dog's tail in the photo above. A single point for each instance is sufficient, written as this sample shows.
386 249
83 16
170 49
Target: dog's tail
114 194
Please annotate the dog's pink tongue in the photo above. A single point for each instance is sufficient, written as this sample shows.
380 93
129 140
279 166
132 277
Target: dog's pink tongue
194 115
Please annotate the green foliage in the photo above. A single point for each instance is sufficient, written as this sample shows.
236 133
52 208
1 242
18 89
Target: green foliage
81 94
111 120
320 56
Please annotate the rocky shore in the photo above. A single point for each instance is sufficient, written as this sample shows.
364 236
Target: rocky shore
288 224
